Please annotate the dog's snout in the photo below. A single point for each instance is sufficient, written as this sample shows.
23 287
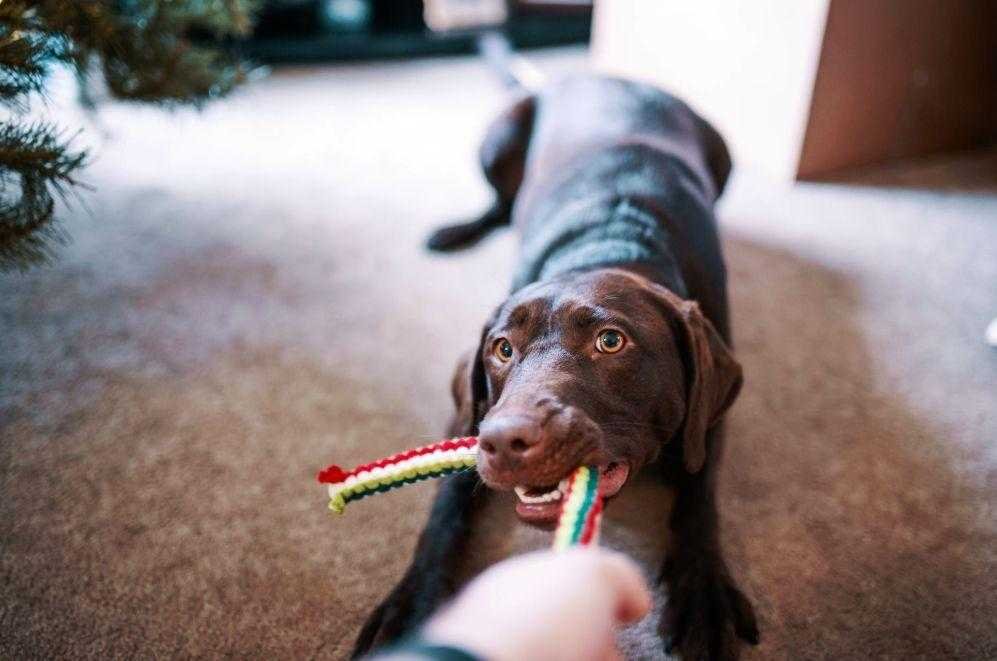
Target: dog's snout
510 438
533 441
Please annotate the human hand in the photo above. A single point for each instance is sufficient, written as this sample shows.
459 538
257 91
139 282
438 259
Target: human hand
545 605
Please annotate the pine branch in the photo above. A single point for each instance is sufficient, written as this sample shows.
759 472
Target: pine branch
148 49
155 51
22 70
37 166
25 51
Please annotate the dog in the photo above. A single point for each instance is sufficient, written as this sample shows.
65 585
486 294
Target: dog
613 349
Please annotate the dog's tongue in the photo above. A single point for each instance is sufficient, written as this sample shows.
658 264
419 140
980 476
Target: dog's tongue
543 515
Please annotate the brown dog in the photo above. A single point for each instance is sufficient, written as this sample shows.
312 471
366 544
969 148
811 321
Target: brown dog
613 350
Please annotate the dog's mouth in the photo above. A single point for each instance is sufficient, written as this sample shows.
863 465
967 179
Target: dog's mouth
541 505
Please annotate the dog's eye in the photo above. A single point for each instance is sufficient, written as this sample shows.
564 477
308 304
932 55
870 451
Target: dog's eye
503 350
610 341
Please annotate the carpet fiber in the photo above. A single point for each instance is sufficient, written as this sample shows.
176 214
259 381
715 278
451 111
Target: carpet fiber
246 299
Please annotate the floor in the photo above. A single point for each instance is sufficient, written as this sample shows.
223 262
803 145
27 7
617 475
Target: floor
245 299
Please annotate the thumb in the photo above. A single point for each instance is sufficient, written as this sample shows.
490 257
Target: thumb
630 594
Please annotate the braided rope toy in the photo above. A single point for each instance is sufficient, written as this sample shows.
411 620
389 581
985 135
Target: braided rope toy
581 512
581 508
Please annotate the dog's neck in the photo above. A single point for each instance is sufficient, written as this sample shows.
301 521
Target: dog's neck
618 232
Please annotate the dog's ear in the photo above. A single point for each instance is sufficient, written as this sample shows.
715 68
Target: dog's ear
713 381
469 388
713 377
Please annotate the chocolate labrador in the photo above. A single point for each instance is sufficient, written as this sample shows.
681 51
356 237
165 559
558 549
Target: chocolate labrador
612 350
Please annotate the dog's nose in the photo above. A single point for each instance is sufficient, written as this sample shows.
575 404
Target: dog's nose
510 438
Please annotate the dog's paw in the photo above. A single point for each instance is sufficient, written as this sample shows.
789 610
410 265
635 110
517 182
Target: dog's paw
706 615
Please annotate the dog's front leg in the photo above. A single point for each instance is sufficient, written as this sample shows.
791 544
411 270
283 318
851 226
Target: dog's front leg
430 577
706 615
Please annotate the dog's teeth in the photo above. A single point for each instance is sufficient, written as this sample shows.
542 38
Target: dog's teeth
550 496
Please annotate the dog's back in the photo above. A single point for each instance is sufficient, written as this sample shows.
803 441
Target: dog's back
618 172
585 114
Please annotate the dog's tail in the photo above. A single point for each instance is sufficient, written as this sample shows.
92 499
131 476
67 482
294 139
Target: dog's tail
464 235
504 147
515 71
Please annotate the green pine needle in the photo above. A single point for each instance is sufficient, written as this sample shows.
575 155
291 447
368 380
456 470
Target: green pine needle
153 51
37 165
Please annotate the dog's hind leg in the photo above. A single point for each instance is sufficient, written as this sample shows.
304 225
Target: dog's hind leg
503 157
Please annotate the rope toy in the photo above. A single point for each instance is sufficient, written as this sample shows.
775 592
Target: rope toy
581 508
581 511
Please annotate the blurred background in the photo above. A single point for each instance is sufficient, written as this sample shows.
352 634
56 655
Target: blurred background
324 30
215 284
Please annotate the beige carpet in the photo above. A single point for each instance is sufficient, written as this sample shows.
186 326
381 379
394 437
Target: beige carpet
246 299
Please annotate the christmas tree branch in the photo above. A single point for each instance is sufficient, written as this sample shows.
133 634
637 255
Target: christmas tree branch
154 51
37 164
147 48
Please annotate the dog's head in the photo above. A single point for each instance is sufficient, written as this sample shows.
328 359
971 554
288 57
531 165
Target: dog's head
601 368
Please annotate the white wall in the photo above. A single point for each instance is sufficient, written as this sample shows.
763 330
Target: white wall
748 67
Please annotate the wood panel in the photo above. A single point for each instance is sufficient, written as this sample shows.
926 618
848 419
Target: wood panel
899 79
